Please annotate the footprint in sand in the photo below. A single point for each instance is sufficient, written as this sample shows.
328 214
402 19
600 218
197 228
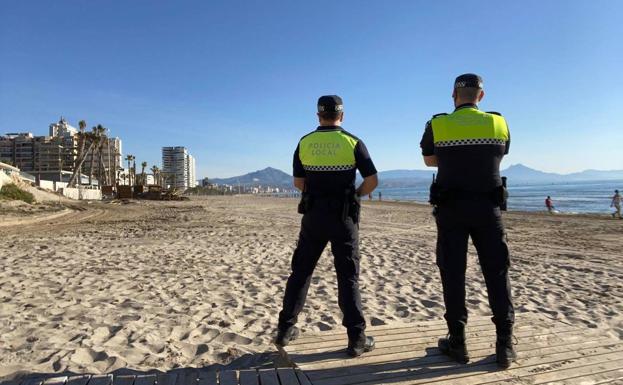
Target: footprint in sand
377 321
233 337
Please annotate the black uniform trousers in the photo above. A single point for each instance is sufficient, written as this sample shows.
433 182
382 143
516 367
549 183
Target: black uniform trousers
323 223
481 219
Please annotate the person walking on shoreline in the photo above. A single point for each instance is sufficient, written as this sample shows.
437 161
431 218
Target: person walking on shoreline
616 203
550 205
467 146
325 165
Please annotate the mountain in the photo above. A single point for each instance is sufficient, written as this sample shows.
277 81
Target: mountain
523 174
266 177
517 173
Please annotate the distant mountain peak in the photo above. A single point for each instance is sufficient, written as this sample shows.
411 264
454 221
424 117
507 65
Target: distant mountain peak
268 176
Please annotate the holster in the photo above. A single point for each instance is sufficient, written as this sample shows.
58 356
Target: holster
500 197
305 203
352 206
434 197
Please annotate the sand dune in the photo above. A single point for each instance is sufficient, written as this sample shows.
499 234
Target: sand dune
160 285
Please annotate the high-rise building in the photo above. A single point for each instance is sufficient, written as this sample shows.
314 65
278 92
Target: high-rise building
179 167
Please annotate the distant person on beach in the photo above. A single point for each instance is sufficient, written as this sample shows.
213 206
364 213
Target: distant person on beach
380 196
467 146
616 203
549 204
325 165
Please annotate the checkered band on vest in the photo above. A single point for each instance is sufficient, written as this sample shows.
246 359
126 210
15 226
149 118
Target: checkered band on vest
345 167
470 142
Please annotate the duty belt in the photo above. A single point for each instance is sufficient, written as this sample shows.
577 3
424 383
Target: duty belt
439 195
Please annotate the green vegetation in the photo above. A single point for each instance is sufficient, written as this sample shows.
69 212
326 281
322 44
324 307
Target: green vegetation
12 192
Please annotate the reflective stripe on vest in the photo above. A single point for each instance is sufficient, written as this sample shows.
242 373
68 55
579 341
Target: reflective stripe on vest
469 126
327 151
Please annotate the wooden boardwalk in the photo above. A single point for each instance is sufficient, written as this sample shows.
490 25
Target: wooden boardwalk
282 376
549 352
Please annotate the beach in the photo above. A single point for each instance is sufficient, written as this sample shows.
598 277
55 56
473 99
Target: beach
157 285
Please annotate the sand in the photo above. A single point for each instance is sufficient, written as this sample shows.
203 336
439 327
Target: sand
162 285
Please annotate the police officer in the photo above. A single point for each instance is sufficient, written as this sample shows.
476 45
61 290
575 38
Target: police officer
325 164
467 146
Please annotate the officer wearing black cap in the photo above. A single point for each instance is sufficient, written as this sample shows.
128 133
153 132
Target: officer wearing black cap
325 165
467 146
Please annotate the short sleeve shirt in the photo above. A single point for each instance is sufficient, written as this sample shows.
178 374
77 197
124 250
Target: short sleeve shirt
334 182
471 168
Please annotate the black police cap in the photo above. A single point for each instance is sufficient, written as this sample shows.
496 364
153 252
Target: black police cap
468 80
330 103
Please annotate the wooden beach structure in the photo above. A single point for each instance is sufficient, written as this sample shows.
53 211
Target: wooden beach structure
550 352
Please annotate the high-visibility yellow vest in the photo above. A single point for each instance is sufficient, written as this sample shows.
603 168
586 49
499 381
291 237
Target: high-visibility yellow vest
469 126
328 150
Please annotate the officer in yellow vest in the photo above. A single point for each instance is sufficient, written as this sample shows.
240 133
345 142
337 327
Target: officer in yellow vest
325 165
467 146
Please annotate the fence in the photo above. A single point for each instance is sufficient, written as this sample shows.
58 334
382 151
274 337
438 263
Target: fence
74 193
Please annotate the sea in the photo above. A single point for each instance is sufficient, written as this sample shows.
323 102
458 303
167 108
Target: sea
572 198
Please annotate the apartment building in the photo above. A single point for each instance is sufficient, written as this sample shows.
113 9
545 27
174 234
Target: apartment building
53 157
179 167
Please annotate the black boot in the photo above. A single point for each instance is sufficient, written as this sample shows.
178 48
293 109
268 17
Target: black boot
504 351
454 347
360 345
285 336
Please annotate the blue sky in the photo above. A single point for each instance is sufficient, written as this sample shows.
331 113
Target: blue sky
237 81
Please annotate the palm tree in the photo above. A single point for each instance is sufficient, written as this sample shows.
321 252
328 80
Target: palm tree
143 179
103 141
96 136
80 155
154 171
129 158
134 169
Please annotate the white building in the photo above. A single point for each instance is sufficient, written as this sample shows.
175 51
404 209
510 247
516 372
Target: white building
192 177
179 167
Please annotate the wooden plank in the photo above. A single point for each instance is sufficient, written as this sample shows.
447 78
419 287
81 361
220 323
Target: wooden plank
228 377
438 364
147 379
101 379
207 378
486 371
287 376
326 360
616 381
249 377
11 382
302 377
398 328
566 364
55 380
591 369
78 380
409 344
411 335
33 381
186 377
166 378
606 377
268 377
341 336
123 380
